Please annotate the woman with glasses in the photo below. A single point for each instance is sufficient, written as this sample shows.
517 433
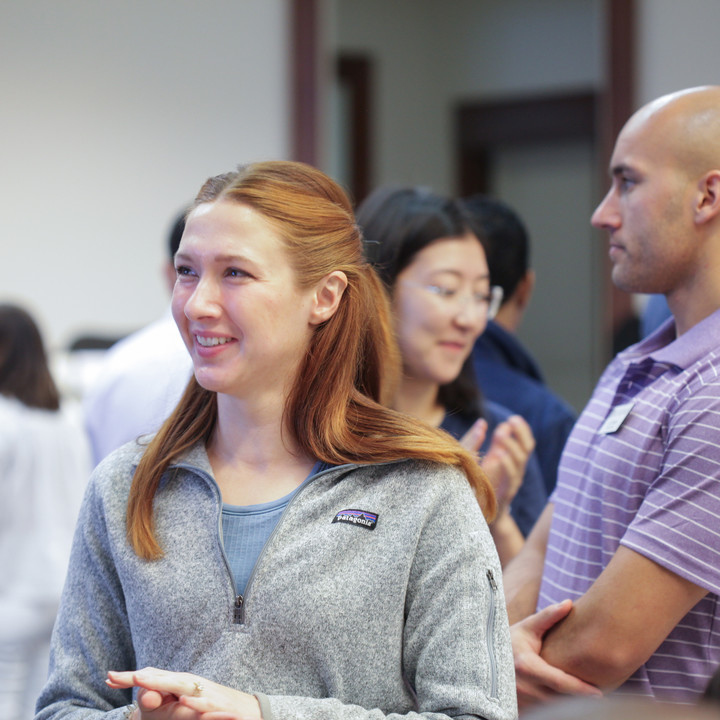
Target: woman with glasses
436 272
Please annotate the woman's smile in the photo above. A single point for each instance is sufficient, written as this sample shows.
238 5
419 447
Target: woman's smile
213 341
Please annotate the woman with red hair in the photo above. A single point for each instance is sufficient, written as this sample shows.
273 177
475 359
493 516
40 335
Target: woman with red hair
285 546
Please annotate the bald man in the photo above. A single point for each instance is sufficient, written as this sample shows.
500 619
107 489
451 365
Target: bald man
632 532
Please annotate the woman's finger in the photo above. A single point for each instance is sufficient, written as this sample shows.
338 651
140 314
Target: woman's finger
150 678
473 439
522 431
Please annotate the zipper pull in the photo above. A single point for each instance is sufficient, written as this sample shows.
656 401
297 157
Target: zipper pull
238 610
491 579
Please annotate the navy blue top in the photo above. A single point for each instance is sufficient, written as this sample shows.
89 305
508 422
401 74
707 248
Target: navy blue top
530 499
509 375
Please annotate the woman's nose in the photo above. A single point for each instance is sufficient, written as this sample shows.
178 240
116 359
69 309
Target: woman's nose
204 300
470 314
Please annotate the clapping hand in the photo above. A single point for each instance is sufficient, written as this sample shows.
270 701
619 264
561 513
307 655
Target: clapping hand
511 445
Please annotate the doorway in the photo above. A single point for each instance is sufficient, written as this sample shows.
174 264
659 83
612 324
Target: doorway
539 155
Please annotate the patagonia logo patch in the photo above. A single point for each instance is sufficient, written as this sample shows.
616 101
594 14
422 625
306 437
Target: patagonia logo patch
363 518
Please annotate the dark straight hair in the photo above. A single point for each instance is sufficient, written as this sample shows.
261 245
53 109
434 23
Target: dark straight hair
398 222
24 371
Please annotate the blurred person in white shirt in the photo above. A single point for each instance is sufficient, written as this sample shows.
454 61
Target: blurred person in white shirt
44 466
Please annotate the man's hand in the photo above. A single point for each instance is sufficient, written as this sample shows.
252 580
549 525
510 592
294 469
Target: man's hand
536 680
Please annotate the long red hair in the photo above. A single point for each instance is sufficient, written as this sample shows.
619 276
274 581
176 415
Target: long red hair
337 408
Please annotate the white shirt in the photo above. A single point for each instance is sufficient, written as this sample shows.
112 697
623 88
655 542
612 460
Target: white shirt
45 463
138 385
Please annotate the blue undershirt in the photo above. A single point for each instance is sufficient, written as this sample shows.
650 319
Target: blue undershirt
246 529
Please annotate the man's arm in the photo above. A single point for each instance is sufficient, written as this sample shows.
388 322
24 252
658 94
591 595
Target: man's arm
620 621
536 679
522 576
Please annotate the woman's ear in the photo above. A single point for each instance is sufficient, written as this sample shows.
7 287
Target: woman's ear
328 294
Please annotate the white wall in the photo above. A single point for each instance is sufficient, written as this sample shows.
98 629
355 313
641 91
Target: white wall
677 46
510 47
429 54
407 118
114 112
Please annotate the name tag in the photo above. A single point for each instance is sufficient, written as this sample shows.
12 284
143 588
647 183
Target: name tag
613 422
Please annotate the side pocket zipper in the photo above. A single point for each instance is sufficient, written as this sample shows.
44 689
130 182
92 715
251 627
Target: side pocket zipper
490 633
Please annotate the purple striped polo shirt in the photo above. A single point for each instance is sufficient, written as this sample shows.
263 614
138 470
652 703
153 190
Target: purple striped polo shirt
641 469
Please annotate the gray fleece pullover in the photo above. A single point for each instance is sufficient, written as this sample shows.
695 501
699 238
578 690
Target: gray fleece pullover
378 595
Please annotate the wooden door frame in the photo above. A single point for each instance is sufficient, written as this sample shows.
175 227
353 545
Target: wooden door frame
304 24
354 73
481 126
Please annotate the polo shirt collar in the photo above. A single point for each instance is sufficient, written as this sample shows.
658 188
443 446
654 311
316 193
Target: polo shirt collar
662 346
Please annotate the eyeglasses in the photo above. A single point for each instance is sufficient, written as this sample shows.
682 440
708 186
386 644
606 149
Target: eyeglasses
484 303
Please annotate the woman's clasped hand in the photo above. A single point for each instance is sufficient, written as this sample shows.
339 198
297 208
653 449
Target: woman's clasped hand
166 695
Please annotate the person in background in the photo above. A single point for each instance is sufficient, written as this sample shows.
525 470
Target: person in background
654 314
506 371
44 467
630 534
434 269
285 546
141 378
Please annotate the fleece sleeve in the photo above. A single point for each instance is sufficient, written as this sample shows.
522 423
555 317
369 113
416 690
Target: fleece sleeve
92 633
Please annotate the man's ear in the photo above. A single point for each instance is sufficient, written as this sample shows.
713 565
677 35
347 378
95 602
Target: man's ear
524 289
328 293
708 204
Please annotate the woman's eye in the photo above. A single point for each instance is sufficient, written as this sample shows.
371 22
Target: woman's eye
182 270
441 290
236 273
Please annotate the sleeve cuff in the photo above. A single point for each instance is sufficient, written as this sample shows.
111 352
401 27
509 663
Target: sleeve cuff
265 709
